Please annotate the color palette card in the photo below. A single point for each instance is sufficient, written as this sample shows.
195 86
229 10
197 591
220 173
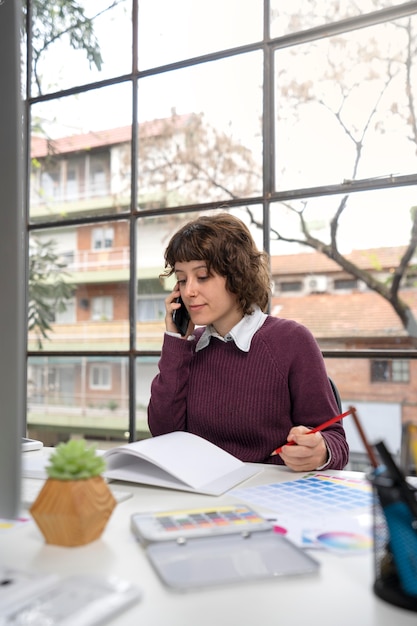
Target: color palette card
314 494
317 511
344 536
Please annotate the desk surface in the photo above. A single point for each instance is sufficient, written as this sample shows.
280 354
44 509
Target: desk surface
341 593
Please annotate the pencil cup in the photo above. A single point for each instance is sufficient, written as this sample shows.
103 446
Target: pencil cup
395 545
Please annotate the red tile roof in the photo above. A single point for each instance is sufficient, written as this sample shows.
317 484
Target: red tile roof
319 263
41 146
332 316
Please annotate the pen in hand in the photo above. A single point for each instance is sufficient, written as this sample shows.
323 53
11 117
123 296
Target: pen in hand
329 422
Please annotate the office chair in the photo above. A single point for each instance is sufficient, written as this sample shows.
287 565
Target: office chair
336 394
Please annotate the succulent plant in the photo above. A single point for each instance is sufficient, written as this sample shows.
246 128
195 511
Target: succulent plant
74 460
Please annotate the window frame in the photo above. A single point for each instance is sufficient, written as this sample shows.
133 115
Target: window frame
267 46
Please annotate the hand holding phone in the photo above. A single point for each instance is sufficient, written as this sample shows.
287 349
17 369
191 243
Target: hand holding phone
181 317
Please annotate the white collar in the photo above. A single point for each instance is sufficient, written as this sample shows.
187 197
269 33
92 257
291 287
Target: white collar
241 334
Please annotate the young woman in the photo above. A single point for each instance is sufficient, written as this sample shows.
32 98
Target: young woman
242 379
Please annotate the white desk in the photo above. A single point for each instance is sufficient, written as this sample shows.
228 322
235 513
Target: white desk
341 593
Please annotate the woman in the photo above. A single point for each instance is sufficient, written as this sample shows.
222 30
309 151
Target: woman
244 380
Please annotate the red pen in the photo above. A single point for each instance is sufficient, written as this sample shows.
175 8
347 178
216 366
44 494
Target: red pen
329 422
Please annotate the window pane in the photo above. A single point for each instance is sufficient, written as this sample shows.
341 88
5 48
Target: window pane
100 376
290 17
81 155
380 371
344 107
206 143
76 46
78 294
102 308
87 396
146 370
102 238
367 220
400 371
372 239
153 237
382 408
171 31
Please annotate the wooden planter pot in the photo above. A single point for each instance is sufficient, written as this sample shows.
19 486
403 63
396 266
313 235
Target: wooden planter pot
73 512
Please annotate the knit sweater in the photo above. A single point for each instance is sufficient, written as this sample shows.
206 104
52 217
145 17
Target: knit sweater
246 402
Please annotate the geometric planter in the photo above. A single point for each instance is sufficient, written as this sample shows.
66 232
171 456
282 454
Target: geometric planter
73 512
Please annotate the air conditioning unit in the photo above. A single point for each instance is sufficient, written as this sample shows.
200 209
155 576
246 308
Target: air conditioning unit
316 284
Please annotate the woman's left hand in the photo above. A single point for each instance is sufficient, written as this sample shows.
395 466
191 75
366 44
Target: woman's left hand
308 453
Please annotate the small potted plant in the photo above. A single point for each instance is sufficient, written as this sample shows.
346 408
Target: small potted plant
75 503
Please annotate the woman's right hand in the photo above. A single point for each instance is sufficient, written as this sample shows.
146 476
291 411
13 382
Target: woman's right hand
172 305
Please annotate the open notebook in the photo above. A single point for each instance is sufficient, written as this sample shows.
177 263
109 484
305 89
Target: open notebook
178 460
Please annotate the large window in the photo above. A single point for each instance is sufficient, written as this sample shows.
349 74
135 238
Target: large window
297 116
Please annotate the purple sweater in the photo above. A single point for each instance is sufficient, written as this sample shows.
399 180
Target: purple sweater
246 402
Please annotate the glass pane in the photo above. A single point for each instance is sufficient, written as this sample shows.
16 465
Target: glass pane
81 155
85 396
146 370
78 293
345 107
172 31
382 407
290 17
153 237
206 143
371 312
368 220
76 43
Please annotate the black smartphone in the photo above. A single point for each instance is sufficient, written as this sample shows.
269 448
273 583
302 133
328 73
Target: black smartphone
181 318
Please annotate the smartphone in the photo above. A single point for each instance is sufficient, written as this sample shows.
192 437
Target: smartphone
181 318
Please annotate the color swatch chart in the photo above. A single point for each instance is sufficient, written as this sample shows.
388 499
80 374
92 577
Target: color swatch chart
314 494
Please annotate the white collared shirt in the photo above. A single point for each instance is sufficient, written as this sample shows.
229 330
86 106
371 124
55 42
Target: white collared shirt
241 334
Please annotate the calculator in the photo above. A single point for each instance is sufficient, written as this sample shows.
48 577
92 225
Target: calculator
199 522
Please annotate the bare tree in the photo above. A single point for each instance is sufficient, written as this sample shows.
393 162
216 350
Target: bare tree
52 21
357 128
188 161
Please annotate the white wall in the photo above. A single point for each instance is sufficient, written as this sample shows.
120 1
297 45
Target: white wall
379 421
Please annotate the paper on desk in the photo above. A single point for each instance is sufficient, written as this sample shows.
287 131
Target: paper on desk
178 460
340 534
9 524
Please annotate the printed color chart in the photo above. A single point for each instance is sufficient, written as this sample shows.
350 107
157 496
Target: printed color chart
309 496
317 511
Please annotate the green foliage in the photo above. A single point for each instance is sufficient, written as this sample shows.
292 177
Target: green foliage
74 460
48 289
59 19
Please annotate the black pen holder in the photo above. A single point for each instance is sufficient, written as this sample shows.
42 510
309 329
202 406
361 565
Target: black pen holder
395 544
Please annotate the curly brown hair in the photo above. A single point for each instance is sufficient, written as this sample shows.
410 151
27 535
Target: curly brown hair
225 243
